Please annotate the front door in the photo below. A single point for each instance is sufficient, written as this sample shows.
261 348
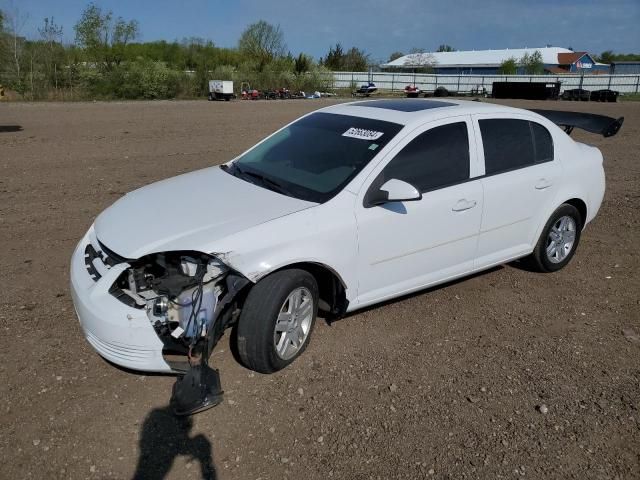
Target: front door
405 246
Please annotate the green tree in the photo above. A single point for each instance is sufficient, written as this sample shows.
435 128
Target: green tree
103 38
262 43
50 32
51 50
532 63
3 49
148 79
335 58
609 56
356 60
353 60
445 48
627 57
606 57
302 64
509 67
14 46
395 56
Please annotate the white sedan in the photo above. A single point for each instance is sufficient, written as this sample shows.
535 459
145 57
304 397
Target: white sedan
343 208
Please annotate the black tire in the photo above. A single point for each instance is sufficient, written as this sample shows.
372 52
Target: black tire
539 260
257 322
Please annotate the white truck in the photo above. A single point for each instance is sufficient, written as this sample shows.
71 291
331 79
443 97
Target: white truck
221 90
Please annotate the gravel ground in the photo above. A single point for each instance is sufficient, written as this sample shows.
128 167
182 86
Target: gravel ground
507 374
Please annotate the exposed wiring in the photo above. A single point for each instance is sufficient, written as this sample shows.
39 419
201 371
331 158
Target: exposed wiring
196 304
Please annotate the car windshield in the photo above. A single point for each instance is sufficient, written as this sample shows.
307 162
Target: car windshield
315 157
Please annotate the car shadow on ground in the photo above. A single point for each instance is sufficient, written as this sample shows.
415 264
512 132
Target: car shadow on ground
10 128
233 342
415 294
524 265
164 437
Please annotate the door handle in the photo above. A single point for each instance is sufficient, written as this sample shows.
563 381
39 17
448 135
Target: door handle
464 204
543 183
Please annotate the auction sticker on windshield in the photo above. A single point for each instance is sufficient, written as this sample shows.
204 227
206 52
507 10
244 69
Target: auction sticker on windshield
362 134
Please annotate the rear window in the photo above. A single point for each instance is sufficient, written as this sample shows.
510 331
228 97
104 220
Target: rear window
542 142
510 144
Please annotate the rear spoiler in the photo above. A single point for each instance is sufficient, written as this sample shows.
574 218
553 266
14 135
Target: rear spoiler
590 122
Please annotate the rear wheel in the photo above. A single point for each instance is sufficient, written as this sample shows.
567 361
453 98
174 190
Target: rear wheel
559 239
277 319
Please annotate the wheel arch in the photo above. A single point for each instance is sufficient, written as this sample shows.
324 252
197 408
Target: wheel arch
331 286
581 206
568 198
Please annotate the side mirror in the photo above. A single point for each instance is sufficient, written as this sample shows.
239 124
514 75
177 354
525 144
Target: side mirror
393 190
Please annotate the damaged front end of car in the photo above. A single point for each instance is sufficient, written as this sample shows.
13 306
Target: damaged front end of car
190 298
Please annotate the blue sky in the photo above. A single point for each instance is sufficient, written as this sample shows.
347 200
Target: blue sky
377 26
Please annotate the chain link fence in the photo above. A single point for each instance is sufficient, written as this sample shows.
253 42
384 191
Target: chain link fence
396 82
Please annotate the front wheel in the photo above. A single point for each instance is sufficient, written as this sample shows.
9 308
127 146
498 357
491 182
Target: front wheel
559 240
277 319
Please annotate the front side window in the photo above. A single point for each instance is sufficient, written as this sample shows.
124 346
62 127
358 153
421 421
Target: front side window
511 143
315 157
434 159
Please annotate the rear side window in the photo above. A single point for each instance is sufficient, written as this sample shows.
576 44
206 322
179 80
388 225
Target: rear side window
542 143
510 144
434 159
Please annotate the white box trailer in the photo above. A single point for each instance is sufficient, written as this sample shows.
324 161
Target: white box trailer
221 90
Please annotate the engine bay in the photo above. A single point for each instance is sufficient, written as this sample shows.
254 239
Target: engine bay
190 298
179 291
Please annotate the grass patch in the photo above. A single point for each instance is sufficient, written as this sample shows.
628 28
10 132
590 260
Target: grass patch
629 97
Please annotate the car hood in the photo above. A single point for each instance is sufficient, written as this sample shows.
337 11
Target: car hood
188 212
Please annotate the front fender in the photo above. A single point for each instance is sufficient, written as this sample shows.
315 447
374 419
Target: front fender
325 235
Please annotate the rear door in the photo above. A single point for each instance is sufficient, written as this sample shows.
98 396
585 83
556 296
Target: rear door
520 183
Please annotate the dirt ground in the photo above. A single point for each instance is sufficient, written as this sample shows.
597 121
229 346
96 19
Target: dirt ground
447 383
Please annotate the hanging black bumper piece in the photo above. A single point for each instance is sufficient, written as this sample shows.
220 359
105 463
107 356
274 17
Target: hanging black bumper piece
196 391
199 389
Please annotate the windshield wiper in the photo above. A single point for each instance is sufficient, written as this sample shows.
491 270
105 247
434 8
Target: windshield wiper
265 181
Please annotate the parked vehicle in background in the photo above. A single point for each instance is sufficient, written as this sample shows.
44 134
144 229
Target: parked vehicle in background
526 90
605 95
411 91
221 90
277 94
578 94
248 93
365 90
441 92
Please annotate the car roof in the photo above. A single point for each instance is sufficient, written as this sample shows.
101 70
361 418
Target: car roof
403 104
415 110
